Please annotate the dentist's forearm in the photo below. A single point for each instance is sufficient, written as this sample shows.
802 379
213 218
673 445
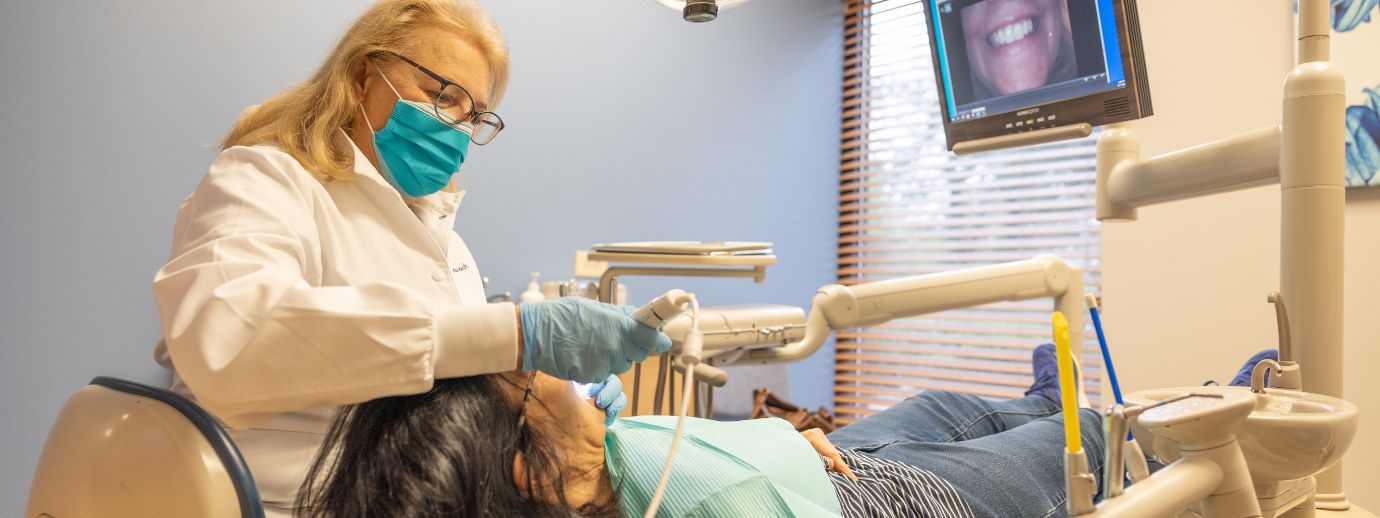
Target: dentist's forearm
474 339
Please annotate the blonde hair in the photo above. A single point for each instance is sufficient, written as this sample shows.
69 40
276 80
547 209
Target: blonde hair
304 119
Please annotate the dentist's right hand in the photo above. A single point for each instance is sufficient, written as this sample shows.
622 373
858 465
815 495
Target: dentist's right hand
585 341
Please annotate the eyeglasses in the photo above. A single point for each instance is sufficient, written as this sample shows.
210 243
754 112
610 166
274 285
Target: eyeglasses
526 396
455 106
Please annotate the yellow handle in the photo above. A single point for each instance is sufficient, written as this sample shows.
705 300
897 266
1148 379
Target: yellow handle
1072 436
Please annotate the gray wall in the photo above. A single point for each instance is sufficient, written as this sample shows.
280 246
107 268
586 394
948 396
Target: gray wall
625 123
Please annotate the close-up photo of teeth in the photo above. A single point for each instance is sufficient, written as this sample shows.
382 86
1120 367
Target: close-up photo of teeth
1018 45
1011 33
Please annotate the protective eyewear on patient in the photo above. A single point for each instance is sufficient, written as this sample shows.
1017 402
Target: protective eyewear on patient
455 106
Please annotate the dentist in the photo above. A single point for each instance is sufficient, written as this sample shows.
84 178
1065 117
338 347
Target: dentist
316 264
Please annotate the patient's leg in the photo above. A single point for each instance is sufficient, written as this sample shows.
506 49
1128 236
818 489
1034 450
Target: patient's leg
938 416
1016 473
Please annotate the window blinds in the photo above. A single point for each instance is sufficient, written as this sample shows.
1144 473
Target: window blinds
908 207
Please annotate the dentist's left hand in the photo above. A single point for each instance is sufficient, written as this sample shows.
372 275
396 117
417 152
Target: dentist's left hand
608 396
582 340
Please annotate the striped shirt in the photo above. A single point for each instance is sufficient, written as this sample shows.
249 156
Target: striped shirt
887 488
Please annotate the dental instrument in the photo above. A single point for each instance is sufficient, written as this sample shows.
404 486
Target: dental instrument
1119 453
1078 483
1069 403
730 331
1095 310
1134 459
689 353
653 315
1119 461
1126 457
666 306
1211 475
609 262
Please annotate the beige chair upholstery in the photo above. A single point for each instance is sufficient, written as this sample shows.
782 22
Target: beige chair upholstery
121 449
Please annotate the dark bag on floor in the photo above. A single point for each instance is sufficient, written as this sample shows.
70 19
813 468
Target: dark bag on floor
765 404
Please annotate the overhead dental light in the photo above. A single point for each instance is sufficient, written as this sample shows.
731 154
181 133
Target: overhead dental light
699 10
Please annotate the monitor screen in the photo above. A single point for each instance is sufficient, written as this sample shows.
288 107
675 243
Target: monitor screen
1026 63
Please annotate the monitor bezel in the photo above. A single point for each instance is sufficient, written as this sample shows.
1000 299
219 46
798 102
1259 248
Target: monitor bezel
1090 109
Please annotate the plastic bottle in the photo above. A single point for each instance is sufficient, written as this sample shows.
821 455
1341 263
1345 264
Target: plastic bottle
533 293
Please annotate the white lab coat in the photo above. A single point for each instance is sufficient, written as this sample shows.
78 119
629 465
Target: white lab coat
286 296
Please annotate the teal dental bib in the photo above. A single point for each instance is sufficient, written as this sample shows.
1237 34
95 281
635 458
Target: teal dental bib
759 467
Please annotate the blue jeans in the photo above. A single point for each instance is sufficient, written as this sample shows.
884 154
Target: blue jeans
1005 457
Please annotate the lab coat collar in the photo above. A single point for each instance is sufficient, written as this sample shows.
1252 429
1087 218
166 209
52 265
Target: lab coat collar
444 202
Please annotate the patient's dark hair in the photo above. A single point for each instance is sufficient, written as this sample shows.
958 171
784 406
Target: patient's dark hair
447 452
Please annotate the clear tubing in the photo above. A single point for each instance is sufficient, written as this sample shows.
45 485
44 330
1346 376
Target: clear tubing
690 355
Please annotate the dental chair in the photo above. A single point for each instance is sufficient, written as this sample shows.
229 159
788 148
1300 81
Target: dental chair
121 449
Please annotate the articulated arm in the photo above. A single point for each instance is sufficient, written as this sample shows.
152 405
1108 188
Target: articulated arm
746 335
838 307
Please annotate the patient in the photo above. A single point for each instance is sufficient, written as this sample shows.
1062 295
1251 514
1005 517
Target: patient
459 450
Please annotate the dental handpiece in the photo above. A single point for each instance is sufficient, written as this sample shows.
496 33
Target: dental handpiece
654 315
662 309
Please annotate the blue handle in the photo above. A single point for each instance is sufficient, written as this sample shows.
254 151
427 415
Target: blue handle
1106 356
1107 360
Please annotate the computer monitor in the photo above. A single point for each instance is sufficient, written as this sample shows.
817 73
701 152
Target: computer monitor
1012 66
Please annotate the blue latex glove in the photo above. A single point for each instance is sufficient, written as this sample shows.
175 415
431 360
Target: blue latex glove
609 397
582 340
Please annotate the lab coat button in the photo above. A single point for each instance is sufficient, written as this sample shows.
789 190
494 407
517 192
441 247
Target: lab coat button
438 276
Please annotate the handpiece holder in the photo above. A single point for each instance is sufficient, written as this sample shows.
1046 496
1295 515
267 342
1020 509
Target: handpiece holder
1114 426
1211 470
1123 454
1079 484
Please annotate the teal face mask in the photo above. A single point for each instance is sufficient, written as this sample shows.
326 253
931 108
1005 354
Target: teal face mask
418 153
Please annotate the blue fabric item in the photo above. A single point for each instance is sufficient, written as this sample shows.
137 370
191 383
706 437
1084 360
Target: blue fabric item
758 467
1243 375
1348 14
583 340
1003 457
1045 364
417 152
609 396
1363 141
